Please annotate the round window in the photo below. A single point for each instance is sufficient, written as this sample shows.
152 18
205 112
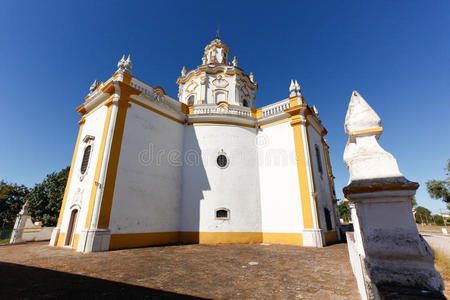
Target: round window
222 161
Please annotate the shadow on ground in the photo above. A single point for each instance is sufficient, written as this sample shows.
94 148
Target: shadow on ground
18 281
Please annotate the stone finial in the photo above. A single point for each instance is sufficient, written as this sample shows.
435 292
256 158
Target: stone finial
24 210
125 65
235 62
252 78
360 116
292 92
363 155
183 71
316 111
298 89
387 253
93 86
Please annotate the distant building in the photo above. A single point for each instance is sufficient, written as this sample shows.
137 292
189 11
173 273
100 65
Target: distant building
207 167
444 215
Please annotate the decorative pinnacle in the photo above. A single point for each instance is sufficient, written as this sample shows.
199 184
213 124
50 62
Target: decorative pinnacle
298 89
292 89
183 71
360 116
235 62
93 86
252 78
125 66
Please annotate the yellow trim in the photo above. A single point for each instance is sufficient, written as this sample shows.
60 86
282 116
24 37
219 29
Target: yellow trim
98 167
127 79
113 164
221 123
104 102
256 112
275 122
293 101
302 175
155 110
76 238
330 237
283 238
69 178
61 238
221 237
313 175
370 130
28 231
130 240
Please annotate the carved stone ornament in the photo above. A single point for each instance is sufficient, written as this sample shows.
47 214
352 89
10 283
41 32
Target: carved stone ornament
220 82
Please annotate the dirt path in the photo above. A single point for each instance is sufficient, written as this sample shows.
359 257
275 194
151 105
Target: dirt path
174 272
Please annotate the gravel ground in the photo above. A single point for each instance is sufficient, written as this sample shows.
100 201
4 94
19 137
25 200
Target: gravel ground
255 271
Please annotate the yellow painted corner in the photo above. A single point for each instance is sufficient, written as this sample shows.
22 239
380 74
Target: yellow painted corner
76 238
61 238
69 178
302 175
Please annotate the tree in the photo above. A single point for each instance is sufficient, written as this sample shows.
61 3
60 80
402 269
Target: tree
440 189
45 198
422 214
11 201
344 212
413 202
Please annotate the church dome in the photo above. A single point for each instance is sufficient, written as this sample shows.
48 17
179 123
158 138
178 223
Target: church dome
217 52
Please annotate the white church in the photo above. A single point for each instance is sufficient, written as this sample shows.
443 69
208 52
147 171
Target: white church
206 167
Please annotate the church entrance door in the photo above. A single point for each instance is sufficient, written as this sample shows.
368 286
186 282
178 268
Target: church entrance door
71 229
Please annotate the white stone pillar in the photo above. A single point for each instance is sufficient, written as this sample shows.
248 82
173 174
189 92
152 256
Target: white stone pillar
19 225
388 255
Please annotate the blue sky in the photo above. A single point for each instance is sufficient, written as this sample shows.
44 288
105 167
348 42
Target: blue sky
395 53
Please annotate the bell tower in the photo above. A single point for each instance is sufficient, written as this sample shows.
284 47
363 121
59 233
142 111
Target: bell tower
217 80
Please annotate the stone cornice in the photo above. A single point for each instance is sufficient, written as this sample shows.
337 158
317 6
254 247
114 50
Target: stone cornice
217 69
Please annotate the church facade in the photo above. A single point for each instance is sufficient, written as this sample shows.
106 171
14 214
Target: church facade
207 167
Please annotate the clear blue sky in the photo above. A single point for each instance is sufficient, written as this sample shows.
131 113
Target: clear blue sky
395 53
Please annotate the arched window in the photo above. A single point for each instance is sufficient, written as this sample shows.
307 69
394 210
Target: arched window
222 214
85 161
319 161
245 103
220 96
190 100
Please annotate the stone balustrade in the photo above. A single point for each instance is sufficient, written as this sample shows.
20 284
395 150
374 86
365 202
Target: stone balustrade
206 109
275 108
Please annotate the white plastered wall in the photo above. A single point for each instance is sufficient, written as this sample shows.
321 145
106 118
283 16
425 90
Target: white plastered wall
206 187
148 183
321 180
80 190
279 184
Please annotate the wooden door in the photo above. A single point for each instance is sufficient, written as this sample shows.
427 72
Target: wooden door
71 229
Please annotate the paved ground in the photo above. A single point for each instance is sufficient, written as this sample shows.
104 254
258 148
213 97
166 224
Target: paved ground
174 272
438 241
